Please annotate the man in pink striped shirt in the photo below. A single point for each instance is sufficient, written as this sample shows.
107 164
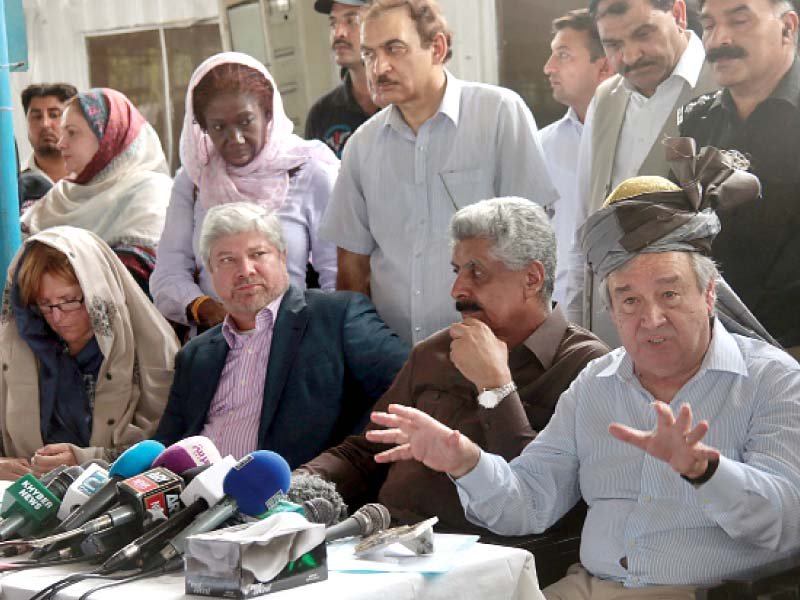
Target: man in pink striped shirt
288 370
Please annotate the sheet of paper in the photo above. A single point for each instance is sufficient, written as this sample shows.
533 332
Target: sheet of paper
398 559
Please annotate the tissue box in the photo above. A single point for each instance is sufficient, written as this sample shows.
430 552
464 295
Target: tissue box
279 553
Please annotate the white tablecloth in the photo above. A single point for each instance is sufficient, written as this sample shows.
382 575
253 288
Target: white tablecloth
485 572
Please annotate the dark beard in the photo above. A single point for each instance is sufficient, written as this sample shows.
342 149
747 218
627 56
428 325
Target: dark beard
48 151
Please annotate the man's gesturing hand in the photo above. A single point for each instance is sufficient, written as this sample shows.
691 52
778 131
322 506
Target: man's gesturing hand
673 440
419 436
479 355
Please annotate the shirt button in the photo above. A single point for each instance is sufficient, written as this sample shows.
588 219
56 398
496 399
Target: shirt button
647 499
631 543
418 292
421 148
417 329
108 376
110 421
243 382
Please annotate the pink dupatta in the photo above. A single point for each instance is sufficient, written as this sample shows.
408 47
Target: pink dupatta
265 179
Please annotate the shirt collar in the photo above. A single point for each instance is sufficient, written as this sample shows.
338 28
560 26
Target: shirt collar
265 321
689 65
546 338
572 117
450 105
723 354
787 90
451 102
789 87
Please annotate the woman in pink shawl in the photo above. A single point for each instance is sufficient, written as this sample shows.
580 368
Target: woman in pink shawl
237 145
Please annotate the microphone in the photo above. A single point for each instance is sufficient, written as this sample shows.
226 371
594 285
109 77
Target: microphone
8 502
204 490
152 539
306 486
133 461
187 454
257 481
367 520
320 510
101 544
90 481
253 477
154 492
34 504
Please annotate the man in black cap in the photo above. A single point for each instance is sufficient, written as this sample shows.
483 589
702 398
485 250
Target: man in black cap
336 115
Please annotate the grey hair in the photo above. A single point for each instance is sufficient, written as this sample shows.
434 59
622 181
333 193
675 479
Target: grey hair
519 231
238 217
704 268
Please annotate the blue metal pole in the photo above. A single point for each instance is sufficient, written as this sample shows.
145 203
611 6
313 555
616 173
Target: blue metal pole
9 198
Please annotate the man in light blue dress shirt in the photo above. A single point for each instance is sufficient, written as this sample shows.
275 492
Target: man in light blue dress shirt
577 65
441 144
707 483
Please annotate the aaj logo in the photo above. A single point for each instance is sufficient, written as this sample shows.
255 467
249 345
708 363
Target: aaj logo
336 136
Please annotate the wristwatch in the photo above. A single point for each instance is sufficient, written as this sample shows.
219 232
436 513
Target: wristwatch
489 398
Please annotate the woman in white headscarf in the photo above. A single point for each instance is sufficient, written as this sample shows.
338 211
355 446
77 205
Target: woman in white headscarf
237 145
86 360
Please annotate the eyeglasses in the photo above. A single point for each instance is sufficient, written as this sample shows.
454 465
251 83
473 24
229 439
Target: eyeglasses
64 307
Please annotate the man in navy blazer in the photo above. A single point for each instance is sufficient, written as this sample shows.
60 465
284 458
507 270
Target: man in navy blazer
287 370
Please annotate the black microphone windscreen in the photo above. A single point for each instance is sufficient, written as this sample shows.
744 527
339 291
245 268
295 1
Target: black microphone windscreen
320 510
307 486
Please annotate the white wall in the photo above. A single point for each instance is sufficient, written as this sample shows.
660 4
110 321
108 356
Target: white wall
57 30
57 47
474 25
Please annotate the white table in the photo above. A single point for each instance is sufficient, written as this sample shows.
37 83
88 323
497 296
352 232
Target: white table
486 572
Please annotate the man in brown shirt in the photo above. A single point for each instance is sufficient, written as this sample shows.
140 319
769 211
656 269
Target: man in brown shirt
495 376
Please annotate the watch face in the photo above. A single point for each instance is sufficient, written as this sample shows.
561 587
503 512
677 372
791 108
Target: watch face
488 399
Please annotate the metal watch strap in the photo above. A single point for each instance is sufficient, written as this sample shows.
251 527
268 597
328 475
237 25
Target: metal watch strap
505 390
495 395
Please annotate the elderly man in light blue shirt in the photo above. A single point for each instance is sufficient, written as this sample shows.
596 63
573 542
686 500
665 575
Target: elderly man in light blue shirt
708 481
440 145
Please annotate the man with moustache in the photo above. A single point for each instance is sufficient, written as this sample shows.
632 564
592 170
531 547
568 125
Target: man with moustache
575 68
336 115
287 370
439 145
43 104
683 442
660 66
751 45
496 375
